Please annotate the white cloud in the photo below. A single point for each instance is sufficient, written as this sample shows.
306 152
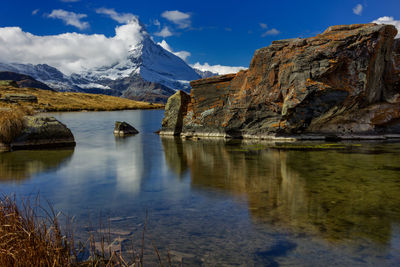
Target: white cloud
272 31
165 32
179 18
390 21
182 54
69 52
156 22
119 17
263 25
34 12
217 68
70 18
358 9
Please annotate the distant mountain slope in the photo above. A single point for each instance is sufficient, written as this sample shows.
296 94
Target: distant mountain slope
23 80
205 73
148 73
44 73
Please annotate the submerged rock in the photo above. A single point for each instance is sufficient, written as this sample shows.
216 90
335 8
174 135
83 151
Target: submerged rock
343 83
43 132
123 128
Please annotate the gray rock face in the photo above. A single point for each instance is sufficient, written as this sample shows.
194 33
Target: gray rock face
123 129
43 132
175 110
15 98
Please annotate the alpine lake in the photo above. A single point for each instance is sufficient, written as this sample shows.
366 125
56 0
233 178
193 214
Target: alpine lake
218 202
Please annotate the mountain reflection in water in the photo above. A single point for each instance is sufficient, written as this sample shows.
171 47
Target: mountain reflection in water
335 194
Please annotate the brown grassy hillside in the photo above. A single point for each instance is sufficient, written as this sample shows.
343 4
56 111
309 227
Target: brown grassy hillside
62 101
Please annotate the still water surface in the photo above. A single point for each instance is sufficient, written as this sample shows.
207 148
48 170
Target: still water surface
219 203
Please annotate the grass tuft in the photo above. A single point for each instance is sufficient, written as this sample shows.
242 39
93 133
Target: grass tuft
12 122
26 237
31 235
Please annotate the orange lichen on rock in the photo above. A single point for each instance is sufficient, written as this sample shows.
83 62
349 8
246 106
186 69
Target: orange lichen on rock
306 86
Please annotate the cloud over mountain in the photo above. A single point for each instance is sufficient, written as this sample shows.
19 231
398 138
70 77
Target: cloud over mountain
391 21
70 18
69 52
216 68
165 32
177 17
118 17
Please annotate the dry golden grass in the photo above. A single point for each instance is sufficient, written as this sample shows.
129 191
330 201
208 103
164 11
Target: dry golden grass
62 101
27 240
12 121
31 235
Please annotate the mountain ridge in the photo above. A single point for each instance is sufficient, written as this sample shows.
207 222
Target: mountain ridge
149 72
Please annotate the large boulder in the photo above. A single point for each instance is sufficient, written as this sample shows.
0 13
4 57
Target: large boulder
175 110
344 82
41 132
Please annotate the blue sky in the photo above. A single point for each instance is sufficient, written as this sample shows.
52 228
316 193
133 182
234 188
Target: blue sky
217 32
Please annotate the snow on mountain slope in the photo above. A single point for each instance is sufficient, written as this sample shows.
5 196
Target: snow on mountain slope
148 60
146 66
44 73
205 73
161 66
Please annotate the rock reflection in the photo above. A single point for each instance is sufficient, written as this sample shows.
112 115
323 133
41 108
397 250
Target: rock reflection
21 165
333 194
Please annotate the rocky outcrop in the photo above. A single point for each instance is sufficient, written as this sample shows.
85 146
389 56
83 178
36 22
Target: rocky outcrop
175 110
344 82
43 132
123 129
16 98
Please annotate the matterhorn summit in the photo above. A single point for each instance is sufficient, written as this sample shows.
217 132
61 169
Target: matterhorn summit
129 64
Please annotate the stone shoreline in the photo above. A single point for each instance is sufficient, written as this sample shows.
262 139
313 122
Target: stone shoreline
291 138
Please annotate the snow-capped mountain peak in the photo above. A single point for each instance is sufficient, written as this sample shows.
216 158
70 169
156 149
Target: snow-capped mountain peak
144 65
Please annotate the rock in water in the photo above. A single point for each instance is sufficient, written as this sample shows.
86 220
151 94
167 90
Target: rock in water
122 129
175 110
344 82
43 132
